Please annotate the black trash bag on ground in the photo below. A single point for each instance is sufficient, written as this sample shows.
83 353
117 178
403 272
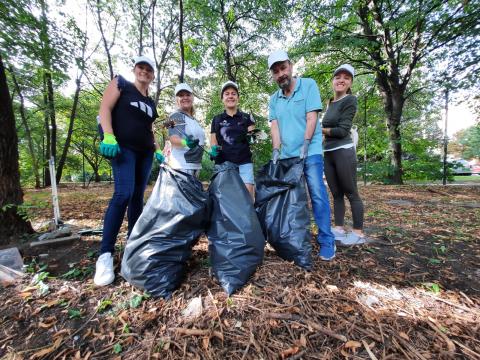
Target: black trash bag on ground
236 242
282 208
161 241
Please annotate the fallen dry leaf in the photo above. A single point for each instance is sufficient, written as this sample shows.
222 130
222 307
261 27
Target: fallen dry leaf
352 344
48 350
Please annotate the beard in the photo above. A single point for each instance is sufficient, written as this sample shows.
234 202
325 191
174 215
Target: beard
284 82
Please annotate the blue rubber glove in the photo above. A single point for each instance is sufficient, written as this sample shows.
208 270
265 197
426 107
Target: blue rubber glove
109 147
159 156
275 156
214 152
190 142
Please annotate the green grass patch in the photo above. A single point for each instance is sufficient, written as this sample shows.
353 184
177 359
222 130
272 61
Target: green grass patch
469 179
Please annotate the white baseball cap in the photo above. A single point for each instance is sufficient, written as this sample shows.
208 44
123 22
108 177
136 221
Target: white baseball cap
183 87
228 84
277 56
345 67
145 60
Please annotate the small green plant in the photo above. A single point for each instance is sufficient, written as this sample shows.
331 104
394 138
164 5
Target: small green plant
433 287
370 250
137 300
40 277
104 305
434 261
117 348
126 329
24 210
72 274
62 302
441 250
119 247
74 314
31 267
78 273
230 302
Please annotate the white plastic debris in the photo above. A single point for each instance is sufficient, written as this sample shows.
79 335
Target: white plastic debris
8 275
369 300
194 308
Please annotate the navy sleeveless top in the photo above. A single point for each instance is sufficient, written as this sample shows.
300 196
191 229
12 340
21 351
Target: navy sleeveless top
132 118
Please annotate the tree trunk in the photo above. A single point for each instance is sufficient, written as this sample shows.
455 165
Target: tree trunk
396 148
11 195
47 149
140 36
182 50
104 40
393 101
28 132
66 147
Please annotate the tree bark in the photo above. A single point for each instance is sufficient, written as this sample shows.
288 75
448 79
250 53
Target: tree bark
66 147
11 194
393 101
104 40
182 49
47 149
28 132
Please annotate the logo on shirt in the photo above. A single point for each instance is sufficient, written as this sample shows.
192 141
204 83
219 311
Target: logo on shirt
147 109
224 123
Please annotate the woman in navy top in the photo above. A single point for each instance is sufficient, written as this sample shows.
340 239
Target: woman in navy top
126 117
229 132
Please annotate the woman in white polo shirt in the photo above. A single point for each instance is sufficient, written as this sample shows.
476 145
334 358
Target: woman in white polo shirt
186 136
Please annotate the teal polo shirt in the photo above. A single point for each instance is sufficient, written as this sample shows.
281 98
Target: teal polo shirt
291 115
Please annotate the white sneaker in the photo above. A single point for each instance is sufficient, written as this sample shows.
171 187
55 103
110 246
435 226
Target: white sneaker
104 270
339 234
353 239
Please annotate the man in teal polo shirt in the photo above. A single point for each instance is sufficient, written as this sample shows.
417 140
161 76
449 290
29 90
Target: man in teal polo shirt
293 115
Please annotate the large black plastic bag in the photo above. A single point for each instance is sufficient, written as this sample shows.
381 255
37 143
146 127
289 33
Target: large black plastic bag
161 241
282 207
236 241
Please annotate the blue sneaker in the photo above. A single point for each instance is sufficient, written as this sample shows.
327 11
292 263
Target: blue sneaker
327 251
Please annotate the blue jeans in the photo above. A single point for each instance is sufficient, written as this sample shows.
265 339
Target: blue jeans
246 173
131 170
318 194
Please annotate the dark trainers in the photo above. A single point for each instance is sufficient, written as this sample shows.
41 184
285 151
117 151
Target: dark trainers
327 251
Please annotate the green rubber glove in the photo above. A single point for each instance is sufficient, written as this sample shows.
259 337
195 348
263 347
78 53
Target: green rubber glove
109 146
159 156
214 152
190 142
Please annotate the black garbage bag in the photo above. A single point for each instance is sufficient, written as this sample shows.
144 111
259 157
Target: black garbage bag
161 241
282 208
236 241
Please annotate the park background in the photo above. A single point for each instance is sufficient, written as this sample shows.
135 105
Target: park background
413 293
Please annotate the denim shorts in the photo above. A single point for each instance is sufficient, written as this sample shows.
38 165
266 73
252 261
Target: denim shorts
246 173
